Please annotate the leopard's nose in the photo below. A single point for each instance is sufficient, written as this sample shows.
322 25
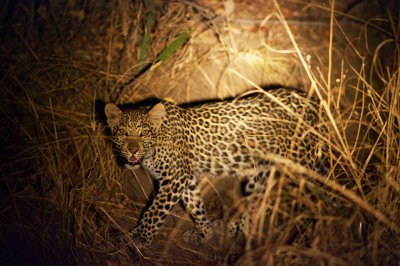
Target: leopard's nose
133 147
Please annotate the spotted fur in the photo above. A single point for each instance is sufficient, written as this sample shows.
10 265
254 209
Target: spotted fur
227 138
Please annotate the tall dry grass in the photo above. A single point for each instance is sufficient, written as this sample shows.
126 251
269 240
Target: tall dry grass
65 199
350 217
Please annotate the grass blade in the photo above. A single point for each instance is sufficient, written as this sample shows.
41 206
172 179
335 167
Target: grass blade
145 40
171 49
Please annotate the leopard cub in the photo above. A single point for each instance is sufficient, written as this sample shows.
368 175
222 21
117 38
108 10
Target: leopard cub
176 145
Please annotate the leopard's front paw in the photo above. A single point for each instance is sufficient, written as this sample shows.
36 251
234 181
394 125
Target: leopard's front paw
133 240
141 241
197 236
124 240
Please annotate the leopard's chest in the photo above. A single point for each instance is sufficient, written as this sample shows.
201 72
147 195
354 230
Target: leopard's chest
167 161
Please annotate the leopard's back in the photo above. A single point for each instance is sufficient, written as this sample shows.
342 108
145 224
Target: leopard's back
227 136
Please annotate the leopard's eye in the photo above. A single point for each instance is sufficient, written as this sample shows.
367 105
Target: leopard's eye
121 131
145 132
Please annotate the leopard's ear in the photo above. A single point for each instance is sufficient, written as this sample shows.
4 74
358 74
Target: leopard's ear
113 114
156 115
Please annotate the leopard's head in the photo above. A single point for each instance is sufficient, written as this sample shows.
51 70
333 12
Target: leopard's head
134 131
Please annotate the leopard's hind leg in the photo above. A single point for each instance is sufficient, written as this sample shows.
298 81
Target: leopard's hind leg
253 187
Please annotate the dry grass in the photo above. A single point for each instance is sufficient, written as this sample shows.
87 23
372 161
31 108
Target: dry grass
65 199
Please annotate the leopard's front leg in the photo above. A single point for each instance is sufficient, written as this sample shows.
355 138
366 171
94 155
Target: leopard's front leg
169 193
195 206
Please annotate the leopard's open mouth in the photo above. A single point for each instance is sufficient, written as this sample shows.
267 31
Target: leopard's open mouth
133 161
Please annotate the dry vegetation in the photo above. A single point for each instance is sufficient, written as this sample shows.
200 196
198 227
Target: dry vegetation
64 198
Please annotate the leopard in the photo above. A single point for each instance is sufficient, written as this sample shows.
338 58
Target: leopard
232 138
